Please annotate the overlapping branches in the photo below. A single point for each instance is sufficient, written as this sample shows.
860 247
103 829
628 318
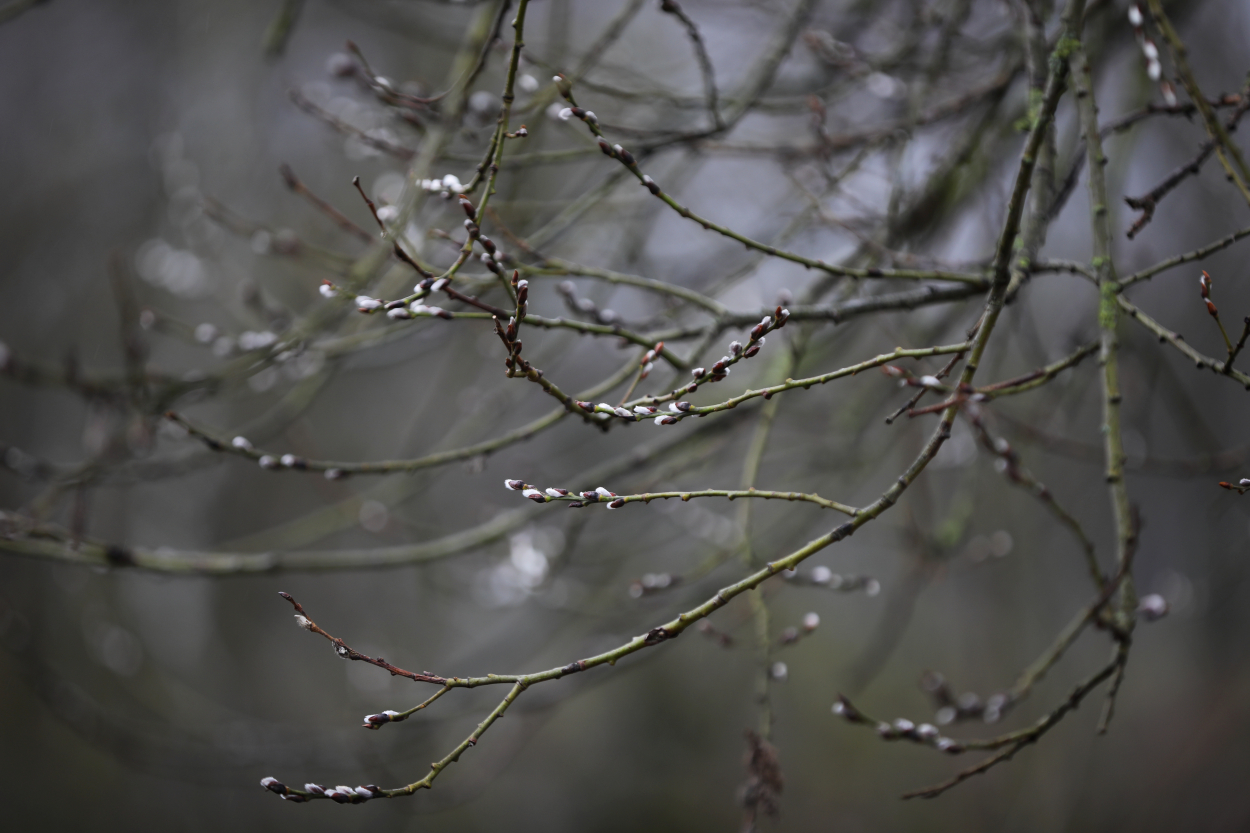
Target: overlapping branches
517 237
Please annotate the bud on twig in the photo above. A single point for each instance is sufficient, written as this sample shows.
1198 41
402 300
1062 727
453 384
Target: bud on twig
1153 607
273 785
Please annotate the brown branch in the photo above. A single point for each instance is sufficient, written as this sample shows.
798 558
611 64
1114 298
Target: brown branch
347 652
337 217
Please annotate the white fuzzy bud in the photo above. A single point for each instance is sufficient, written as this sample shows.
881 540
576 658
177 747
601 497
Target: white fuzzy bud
327 291
388 213
1153 607
565 114
241 443
1134 16
267 462
303 621
821 574
288 460
602 492
364 302
811 621
930 381
779 672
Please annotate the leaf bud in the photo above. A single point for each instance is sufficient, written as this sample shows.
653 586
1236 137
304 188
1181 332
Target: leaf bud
273 785
1153 607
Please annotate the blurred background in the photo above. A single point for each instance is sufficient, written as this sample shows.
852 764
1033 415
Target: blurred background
144 216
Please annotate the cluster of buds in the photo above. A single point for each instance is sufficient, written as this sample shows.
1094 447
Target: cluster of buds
822 576
717 372
376 721
616 151
491 255
1204 284
1150 53
575 500
967 706
1008 462
584 306
901 729
508 334
791 635
587 116
448 185
739 351
640 412
341 794
346 795
286 461
652 583
413 307
648 359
